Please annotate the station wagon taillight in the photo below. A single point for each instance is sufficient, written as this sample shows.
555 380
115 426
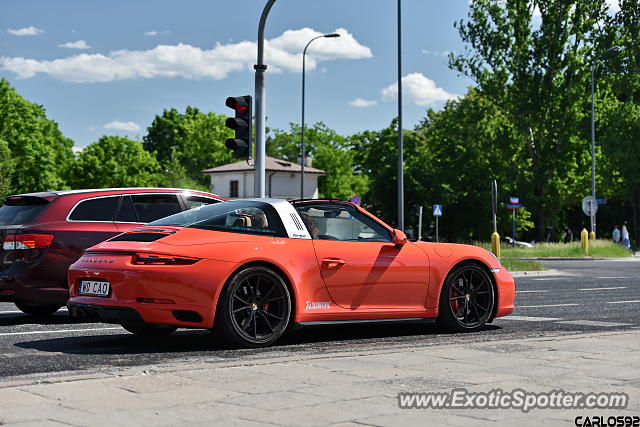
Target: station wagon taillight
27 241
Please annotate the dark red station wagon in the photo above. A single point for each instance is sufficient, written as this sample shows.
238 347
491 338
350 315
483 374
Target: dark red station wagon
42 234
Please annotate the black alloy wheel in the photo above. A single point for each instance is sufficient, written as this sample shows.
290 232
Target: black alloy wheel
254 309
467 299
149 331
36 309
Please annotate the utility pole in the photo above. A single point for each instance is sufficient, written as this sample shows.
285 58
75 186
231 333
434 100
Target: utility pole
400 140
259 163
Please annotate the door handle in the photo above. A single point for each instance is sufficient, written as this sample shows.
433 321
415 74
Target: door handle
333 262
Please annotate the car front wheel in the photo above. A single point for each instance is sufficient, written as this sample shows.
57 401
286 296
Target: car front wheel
467 299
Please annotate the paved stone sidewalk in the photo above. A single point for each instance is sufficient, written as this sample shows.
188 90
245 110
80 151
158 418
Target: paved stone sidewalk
351 389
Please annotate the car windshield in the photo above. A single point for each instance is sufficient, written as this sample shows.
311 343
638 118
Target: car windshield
236 216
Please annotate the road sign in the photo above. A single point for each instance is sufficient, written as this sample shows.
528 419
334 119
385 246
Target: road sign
514 203
602 201
589 206
437 210
355 200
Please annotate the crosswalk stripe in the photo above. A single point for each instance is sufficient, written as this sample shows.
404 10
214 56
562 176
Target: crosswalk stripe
623 302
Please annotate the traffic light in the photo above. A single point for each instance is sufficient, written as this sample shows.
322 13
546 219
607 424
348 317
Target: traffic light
241 124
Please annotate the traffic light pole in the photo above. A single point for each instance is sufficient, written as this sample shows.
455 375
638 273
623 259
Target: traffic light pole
400 136
259 162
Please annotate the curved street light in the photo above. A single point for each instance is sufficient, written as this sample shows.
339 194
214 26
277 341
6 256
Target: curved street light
593 134
302 156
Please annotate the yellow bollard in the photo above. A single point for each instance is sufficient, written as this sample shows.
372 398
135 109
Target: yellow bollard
592 235
495 244
584 241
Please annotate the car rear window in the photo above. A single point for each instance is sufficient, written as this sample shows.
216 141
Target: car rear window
100 209
248 217
18 210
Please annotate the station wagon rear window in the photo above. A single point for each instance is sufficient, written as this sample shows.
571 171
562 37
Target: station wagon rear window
100 209
18 210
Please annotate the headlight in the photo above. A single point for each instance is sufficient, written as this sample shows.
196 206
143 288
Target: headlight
494 257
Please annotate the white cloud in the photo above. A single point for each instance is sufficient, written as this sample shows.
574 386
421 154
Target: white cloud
283 53
418 89
363 103
27 31
80 44
128 126
151 33
436 52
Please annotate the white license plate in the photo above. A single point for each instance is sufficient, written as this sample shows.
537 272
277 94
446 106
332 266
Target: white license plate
92 287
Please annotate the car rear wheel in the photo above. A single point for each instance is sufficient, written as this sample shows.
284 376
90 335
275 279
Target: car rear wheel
254 308
37 310
150 331
467 299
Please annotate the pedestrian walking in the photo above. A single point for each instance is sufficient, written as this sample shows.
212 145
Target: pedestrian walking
567 235
625 238
616 234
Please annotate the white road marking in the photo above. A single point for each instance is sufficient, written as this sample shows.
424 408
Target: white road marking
554 278
529 292
593 323
531 318
21 312
612 277
602 289
546 305
57 331
623 302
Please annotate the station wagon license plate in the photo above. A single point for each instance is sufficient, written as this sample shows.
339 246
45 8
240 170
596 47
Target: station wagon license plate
94 288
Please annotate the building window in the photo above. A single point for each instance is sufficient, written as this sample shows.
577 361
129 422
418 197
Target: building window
233 189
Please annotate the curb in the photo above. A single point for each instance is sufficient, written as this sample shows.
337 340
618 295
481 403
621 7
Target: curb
551 272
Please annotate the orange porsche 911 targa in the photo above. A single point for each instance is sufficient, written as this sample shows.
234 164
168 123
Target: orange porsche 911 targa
252 268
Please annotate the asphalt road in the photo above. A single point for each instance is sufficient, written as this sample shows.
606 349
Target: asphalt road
584 296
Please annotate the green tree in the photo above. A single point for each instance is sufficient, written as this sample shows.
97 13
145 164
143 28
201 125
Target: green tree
193 139
42 155
460 150
538 75
115 161
6 168
618 111
330 151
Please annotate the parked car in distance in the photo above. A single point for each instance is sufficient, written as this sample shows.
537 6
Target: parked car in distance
42 234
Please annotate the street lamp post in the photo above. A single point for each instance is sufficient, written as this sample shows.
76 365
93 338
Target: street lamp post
593 133
302 156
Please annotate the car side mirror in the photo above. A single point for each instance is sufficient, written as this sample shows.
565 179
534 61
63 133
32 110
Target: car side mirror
399 238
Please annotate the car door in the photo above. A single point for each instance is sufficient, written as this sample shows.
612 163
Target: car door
360 266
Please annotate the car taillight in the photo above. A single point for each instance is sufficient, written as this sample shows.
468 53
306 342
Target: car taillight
27 241
157 259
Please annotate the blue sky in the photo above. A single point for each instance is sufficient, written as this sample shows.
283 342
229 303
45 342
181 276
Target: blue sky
109 67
